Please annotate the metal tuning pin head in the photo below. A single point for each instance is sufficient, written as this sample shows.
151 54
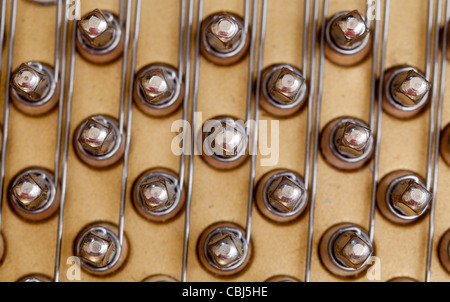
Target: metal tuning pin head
32 194
444 250
223 250
98 247
33 88
160 278
225 143
346 143
99 37
157 90
444 146
35 278
347 38
281 196
406 92
224 38
345 250
402 197
282 278
97 141
284 90
155 195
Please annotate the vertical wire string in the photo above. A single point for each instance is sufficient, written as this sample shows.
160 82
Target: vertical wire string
437 142
12 32
319 93
58 143
126 155
254 137
190 173
376 132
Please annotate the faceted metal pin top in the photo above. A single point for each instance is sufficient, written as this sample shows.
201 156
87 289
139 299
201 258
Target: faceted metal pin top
96 137
352 139
155 194
96 29
409 88
349 29
224 33
224 250
226 140
286 195
30 83
410 198
285 85
97 250
352 250
30 191
156 87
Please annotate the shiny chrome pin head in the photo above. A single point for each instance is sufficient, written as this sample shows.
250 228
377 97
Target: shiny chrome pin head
345 250
97 141
224 40
97 246
402 197
157 90
346 143
225 143
347 38
223 250
156 195
33 88
32 194
99 37
284 90
406 92
281 196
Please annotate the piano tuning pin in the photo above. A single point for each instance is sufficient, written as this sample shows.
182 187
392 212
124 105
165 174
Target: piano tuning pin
346 143
347 38
97 141
345 250
160 278
223 249
444 250
225 143
402 197
157 90
33 88
32 194
99 37
98 247
224 39
283 90
35 278
444 146
282 278
155 195
281 196
406 92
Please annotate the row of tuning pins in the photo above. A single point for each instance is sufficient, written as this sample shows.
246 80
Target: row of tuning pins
346 143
